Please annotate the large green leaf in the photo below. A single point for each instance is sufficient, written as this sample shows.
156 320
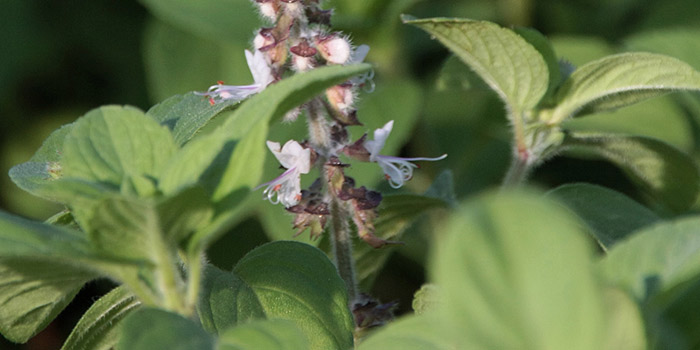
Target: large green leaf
504 60
117 145
666 174
611 216
620 80
268 334
232 20
42 267
657 260
295 281
148 329
515 273
100 327
544 47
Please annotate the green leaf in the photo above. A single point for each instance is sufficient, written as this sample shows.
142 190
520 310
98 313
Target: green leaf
611 216
680 42
656 262
226 301
666 174
118 146
186 114
148 329
44 166
268 334
411 333
503 59
100 327
542 45
33 292
297 282
620 80
515 272
232 20
185 213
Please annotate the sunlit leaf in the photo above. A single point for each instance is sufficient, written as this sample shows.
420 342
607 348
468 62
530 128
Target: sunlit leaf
504 60
268 334
148 329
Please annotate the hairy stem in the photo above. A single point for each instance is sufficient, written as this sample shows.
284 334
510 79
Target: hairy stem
194 279
520 169
341 245
341 242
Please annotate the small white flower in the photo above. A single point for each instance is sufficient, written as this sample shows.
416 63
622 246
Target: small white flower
286 188
396 169
262 75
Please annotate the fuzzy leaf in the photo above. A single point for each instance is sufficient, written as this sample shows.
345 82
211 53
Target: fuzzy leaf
186 114
611 216
504 60
665 173
620 80
148 329
268 334
99 328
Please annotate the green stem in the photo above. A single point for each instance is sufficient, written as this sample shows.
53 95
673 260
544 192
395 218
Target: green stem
167 277
194 279
341 242
520 168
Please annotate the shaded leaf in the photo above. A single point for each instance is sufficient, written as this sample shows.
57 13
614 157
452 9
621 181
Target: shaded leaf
410 333
99 328
611 216
666 174
504 60
148 329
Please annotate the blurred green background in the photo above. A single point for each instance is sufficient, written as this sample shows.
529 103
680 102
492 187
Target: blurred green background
60 59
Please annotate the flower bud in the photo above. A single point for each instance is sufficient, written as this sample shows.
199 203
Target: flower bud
264 40
269 8
303 56
334 48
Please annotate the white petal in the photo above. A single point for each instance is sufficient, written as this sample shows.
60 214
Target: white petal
262 74
380 136
359 54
